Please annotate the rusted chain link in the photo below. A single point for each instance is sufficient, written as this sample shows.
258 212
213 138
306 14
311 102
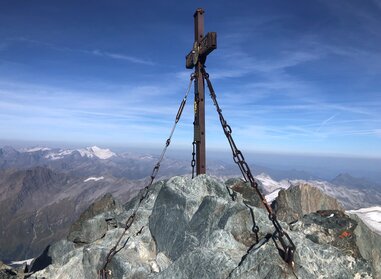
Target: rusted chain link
104 273
193 162
286 247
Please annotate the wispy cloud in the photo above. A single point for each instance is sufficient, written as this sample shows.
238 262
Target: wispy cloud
240 63
121 57
325 122
44 108
97 52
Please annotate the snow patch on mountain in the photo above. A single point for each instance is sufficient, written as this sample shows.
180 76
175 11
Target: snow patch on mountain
371 216
28 262
95 151
270 185
89 152
272 196
93 179
59 155
35 149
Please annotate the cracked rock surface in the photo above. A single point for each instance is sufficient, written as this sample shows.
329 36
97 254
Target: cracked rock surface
194 229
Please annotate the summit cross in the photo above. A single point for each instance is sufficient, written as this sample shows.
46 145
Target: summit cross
203 45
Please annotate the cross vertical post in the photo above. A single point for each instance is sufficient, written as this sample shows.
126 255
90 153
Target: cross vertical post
199 128
203 45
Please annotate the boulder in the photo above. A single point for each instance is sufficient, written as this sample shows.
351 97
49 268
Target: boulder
330 227
301 199
369 245
93 222
248 193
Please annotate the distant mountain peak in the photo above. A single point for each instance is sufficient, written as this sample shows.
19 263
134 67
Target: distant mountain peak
88 152
344 175
96 151
345 179
8 149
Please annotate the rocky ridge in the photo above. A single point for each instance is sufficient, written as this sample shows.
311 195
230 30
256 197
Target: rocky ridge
194 229
38 205
300 199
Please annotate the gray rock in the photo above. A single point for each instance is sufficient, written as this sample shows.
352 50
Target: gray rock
301 199
193 229
311 261
330 227
169 212
7 272
93 222
199 263
239 221
58 253
179 205
61 251
248 193
369 245
162 261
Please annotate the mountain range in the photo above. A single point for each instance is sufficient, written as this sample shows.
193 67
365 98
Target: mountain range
43 190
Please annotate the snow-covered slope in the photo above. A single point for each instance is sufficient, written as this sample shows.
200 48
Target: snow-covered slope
90 152
371 216
269 185
272 196
59 154
35 149
95 151
272 187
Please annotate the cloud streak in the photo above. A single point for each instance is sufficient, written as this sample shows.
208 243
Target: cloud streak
121 57
97 52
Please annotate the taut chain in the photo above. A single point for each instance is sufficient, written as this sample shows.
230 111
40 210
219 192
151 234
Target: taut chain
286 247
104 273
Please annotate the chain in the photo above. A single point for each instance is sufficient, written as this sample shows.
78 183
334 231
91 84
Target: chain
255 228
193 162
104 273
288 247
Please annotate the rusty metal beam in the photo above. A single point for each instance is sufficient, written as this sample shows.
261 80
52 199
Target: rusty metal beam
203 45
199 98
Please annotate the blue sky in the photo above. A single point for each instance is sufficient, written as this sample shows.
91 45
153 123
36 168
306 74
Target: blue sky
290 76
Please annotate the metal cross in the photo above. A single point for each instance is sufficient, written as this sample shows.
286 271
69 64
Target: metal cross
202 46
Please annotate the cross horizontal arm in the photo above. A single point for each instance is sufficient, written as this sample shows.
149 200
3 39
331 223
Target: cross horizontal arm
201 51
208 44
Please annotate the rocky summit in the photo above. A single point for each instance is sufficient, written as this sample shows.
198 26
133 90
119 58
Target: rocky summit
200 229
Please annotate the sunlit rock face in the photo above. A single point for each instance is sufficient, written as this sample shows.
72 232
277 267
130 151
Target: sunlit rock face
301 199
195 229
